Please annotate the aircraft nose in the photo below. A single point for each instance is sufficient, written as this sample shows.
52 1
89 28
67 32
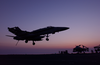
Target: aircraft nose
65 28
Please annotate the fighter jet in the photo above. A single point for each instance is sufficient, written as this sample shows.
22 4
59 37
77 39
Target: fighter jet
35 35
80 49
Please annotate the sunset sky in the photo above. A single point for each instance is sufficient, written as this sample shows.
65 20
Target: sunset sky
82 16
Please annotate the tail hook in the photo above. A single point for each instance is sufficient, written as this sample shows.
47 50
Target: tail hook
17 42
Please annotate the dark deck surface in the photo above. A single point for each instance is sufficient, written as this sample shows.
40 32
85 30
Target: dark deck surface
51 59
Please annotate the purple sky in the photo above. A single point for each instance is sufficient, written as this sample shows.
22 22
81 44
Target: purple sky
82 16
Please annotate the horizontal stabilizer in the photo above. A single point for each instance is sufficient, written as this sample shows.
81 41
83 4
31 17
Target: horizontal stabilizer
10 36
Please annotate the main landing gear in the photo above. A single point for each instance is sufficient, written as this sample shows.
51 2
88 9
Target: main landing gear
26 41
33 43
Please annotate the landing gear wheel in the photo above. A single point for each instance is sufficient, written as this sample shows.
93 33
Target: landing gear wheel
47 39
33 43
26 41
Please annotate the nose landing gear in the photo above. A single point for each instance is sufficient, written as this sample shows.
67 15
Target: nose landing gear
26 41
33 43
47 37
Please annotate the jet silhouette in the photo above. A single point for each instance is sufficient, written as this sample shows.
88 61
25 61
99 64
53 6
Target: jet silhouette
35 35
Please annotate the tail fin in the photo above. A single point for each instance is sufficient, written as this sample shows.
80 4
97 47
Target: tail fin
15 30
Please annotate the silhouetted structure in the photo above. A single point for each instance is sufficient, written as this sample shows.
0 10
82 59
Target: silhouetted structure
63 52
97 49
80 49
92 51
